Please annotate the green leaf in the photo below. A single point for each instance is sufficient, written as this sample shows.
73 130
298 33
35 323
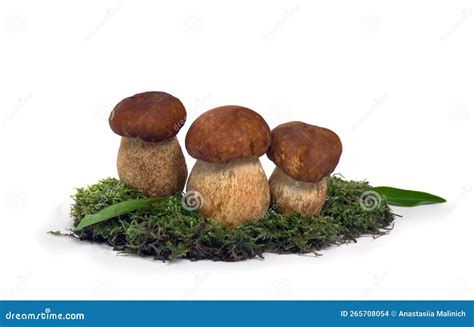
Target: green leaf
115 210
407 198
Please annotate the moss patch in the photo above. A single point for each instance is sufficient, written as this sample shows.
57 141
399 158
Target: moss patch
167 231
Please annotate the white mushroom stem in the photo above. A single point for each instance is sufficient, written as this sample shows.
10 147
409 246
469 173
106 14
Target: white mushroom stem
231 193
155 168
290 195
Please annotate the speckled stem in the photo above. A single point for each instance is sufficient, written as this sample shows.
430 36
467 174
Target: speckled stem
231 193
155 168
289 195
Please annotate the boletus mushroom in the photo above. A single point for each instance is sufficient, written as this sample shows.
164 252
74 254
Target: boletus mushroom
227 142
150 158
304 155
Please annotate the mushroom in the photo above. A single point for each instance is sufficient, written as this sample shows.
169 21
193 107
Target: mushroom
304 156
227 142
150 157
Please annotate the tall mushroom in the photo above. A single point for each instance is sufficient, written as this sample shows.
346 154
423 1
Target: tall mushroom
227 142
304 156
150 157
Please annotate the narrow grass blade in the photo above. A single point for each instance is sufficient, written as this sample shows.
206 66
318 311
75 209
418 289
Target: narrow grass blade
407 198
115 210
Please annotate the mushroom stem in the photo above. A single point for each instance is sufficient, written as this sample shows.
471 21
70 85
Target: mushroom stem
290 195
231 193
155 168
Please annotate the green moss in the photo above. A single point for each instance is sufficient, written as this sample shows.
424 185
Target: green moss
167 231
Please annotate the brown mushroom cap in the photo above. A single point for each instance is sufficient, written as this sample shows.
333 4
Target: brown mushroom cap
150 116
228 133
305 152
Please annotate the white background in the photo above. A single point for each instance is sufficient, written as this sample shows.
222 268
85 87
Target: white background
393 79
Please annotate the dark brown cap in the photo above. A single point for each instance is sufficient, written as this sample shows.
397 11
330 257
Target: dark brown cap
228 133
150 116
305 152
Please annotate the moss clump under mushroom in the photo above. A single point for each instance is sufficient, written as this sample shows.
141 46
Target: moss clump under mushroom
168 231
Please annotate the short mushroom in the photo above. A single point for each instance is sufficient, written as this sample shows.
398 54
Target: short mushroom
304 156
227 142
150 157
